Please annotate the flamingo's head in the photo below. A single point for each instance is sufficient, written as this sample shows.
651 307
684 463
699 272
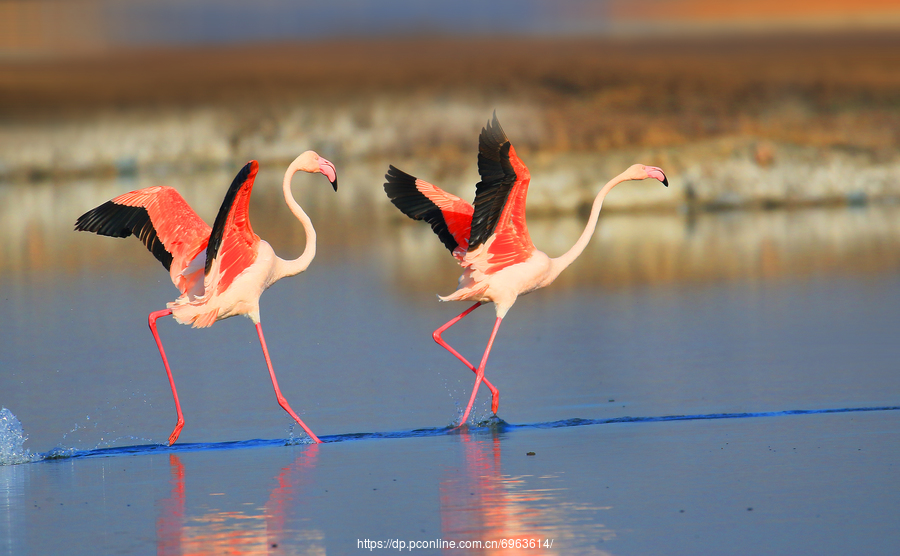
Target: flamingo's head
642 172
311 162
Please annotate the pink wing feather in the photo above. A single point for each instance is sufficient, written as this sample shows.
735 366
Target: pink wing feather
232 245
456 212
499 218
450 217
512 243
181 231
161 219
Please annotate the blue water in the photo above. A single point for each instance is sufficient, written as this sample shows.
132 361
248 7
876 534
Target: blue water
673 405
12 451
815 483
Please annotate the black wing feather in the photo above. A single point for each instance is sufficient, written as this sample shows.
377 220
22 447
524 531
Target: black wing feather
114 220
218 229
497 179
401 189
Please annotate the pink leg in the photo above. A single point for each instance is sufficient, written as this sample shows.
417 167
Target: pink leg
495 394
152 319
281 400
479 374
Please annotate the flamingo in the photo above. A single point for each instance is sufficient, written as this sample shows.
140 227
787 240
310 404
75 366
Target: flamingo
220 271
490 239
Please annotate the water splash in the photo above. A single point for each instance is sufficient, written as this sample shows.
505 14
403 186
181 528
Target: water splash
12 440
296 440
491 425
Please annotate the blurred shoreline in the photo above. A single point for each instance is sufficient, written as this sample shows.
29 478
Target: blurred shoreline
752 121
628 250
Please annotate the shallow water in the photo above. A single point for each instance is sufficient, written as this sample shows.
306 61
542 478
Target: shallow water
664 315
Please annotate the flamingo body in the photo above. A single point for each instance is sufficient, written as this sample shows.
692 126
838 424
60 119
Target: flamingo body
221 271
485 281
490 240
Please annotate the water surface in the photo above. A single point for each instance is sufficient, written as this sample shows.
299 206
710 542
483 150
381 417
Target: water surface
665 314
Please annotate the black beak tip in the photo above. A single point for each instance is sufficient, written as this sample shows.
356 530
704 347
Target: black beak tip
666 181
334 184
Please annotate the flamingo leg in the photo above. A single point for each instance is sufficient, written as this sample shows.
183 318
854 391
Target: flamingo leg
479 374
281 399
495 394
152 320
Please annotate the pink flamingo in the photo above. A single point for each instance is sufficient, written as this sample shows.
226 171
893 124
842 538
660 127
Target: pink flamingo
490 240
220 271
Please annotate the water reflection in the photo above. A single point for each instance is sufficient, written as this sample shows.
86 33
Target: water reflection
12 489
653 248
258 530
480 503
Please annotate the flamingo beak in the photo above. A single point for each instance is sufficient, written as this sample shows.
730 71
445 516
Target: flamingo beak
327 168
657 173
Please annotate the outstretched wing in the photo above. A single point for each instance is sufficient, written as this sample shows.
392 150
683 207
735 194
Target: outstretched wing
158 216
232 244
500 200
450 217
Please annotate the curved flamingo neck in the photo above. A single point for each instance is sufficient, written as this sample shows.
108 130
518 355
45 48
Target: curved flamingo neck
563 261
301 263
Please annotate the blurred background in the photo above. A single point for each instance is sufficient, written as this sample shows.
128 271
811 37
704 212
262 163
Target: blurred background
778 122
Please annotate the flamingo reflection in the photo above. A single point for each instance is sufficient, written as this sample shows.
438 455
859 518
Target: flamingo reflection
257 530
480 503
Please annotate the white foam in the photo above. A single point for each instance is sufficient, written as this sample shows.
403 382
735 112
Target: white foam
12 439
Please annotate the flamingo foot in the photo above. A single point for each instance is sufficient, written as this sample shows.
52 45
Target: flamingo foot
152 318
493 422
174 436
465 416
479 376
278 396
459 428
284 405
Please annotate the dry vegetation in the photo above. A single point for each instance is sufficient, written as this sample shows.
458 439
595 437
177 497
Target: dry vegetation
844 90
